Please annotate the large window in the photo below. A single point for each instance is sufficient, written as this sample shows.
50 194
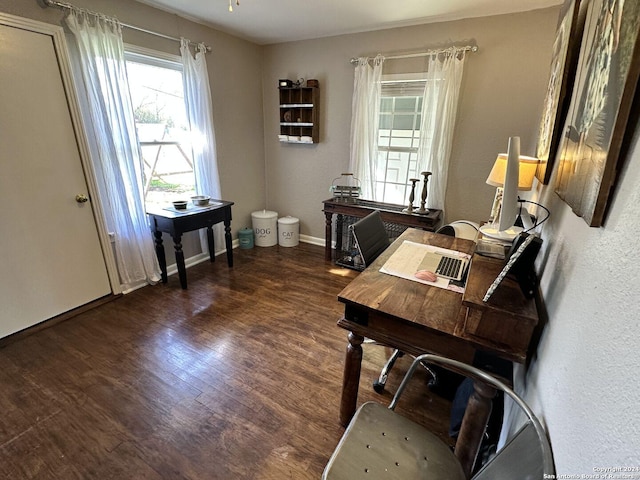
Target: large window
158 100
398 137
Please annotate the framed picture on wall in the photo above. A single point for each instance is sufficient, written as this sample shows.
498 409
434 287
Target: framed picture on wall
566 48
601 100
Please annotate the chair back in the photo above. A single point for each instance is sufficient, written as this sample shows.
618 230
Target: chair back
460 228
527 456
370 237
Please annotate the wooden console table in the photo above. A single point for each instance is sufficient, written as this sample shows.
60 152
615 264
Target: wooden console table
417 318
176 222
361 208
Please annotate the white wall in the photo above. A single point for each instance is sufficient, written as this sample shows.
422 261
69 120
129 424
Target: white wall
585 379
502 94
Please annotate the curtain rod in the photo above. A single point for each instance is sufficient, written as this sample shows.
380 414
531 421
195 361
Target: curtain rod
468 48
55 3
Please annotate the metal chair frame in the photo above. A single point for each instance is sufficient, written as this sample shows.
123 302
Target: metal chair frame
518 459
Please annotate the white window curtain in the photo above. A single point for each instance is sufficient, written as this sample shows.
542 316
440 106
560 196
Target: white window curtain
365 112
115 156
439 109
197 97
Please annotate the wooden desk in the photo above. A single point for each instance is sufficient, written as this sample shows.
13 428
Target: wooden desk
175 223
418 318
361 208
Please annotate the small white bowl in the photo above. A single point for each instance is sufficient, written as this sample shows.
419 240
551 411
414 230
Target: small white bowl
200 200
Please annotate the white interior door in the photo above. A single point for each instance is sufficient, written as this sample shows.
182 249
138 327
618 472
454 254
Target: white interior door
50 254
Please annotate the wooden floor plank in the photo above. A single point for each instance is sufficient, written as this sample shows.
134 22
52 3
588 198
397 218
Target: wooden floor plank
237 377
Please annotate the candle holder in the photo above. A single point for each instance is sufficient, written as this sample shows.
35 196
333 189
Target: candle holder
412 195
423 210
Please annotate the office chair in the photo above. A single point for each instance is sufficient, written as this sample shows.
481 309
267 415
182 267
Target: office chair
370 237
379 443
461 229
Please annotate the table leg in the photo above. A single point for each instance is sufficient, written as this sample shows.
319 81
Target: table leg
228 242
473 425
351 378
212 244
339 221
327 236
162 259
182 271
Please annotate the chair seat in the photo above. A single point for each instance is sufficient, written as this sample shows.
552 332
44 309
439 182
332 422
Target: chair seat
379 443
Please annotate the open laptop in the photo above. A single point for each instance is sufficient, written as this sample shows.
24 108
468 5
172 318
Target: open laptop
445 266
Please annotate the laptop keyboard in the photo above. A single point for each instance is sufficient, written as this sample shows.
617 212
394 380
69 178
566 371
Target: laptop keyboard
449 267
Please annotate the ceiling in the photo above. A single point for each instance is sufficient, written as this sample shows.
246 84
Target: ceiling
275 21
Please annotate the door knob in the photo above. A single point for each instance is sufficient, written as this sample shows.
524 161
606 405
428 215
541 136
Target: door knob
81 198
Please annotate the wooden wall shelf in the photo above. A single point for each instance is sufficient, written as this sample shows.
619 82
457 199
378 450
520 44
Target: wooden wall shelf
299 114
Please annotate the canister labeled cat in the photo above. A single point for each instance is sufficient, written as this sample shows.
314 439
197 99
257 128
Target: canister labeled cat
288 231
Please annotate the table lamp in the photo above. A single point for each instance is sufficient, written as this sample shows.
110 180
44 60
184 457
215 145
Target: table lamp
511 173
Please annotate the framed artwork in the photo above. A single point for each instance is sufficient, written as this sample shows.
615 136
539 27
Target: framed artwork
603 93
563 67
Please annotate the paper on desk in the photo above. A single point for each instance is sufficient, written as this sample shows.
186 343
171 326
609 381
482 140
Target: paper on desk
406 261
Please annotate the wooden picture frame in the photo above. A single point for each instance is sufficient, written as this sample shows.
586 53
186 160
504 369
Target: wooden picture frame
601 101
566 48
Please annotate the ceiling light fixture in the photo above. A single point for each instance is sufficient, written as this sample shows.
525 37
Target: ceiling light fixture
231 5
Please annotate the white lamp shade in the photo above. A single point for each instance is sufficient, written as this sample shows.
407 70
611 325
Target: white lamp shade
527 171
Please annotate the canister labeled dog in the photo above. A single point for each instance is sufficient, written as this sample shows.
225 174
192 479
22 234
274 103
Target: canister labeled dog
265 228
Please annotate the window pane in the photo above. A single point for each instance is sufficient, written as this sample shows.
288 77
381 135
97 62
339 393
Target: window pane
386 121
403 122
402 141
386 104
405 104
394 194
398 137
157 96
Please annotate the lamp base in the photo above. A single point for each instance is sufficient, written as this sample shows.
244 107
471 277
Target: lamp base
507 235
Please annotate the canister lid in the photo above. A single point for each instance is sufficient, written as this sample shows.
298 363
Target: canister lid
288 220
264 214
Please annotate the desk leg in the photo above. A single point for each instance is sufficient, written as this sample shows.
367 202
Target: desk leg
228 242
351 378
473 425
327 236
212 244
162 259
182 271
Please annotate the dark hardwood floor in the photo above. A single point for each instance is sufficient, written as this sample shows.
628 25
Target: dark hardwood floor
237 377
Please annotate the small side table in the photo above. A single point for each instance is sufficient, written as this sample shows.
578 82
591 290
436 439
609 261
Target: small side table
176 222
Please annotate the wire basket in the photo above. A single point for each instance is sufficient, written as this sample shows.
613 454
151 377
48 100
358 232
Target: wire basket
345 188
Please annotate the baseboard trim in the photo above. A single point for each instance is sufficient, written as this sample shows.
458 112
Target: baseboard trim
56 320
204 257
